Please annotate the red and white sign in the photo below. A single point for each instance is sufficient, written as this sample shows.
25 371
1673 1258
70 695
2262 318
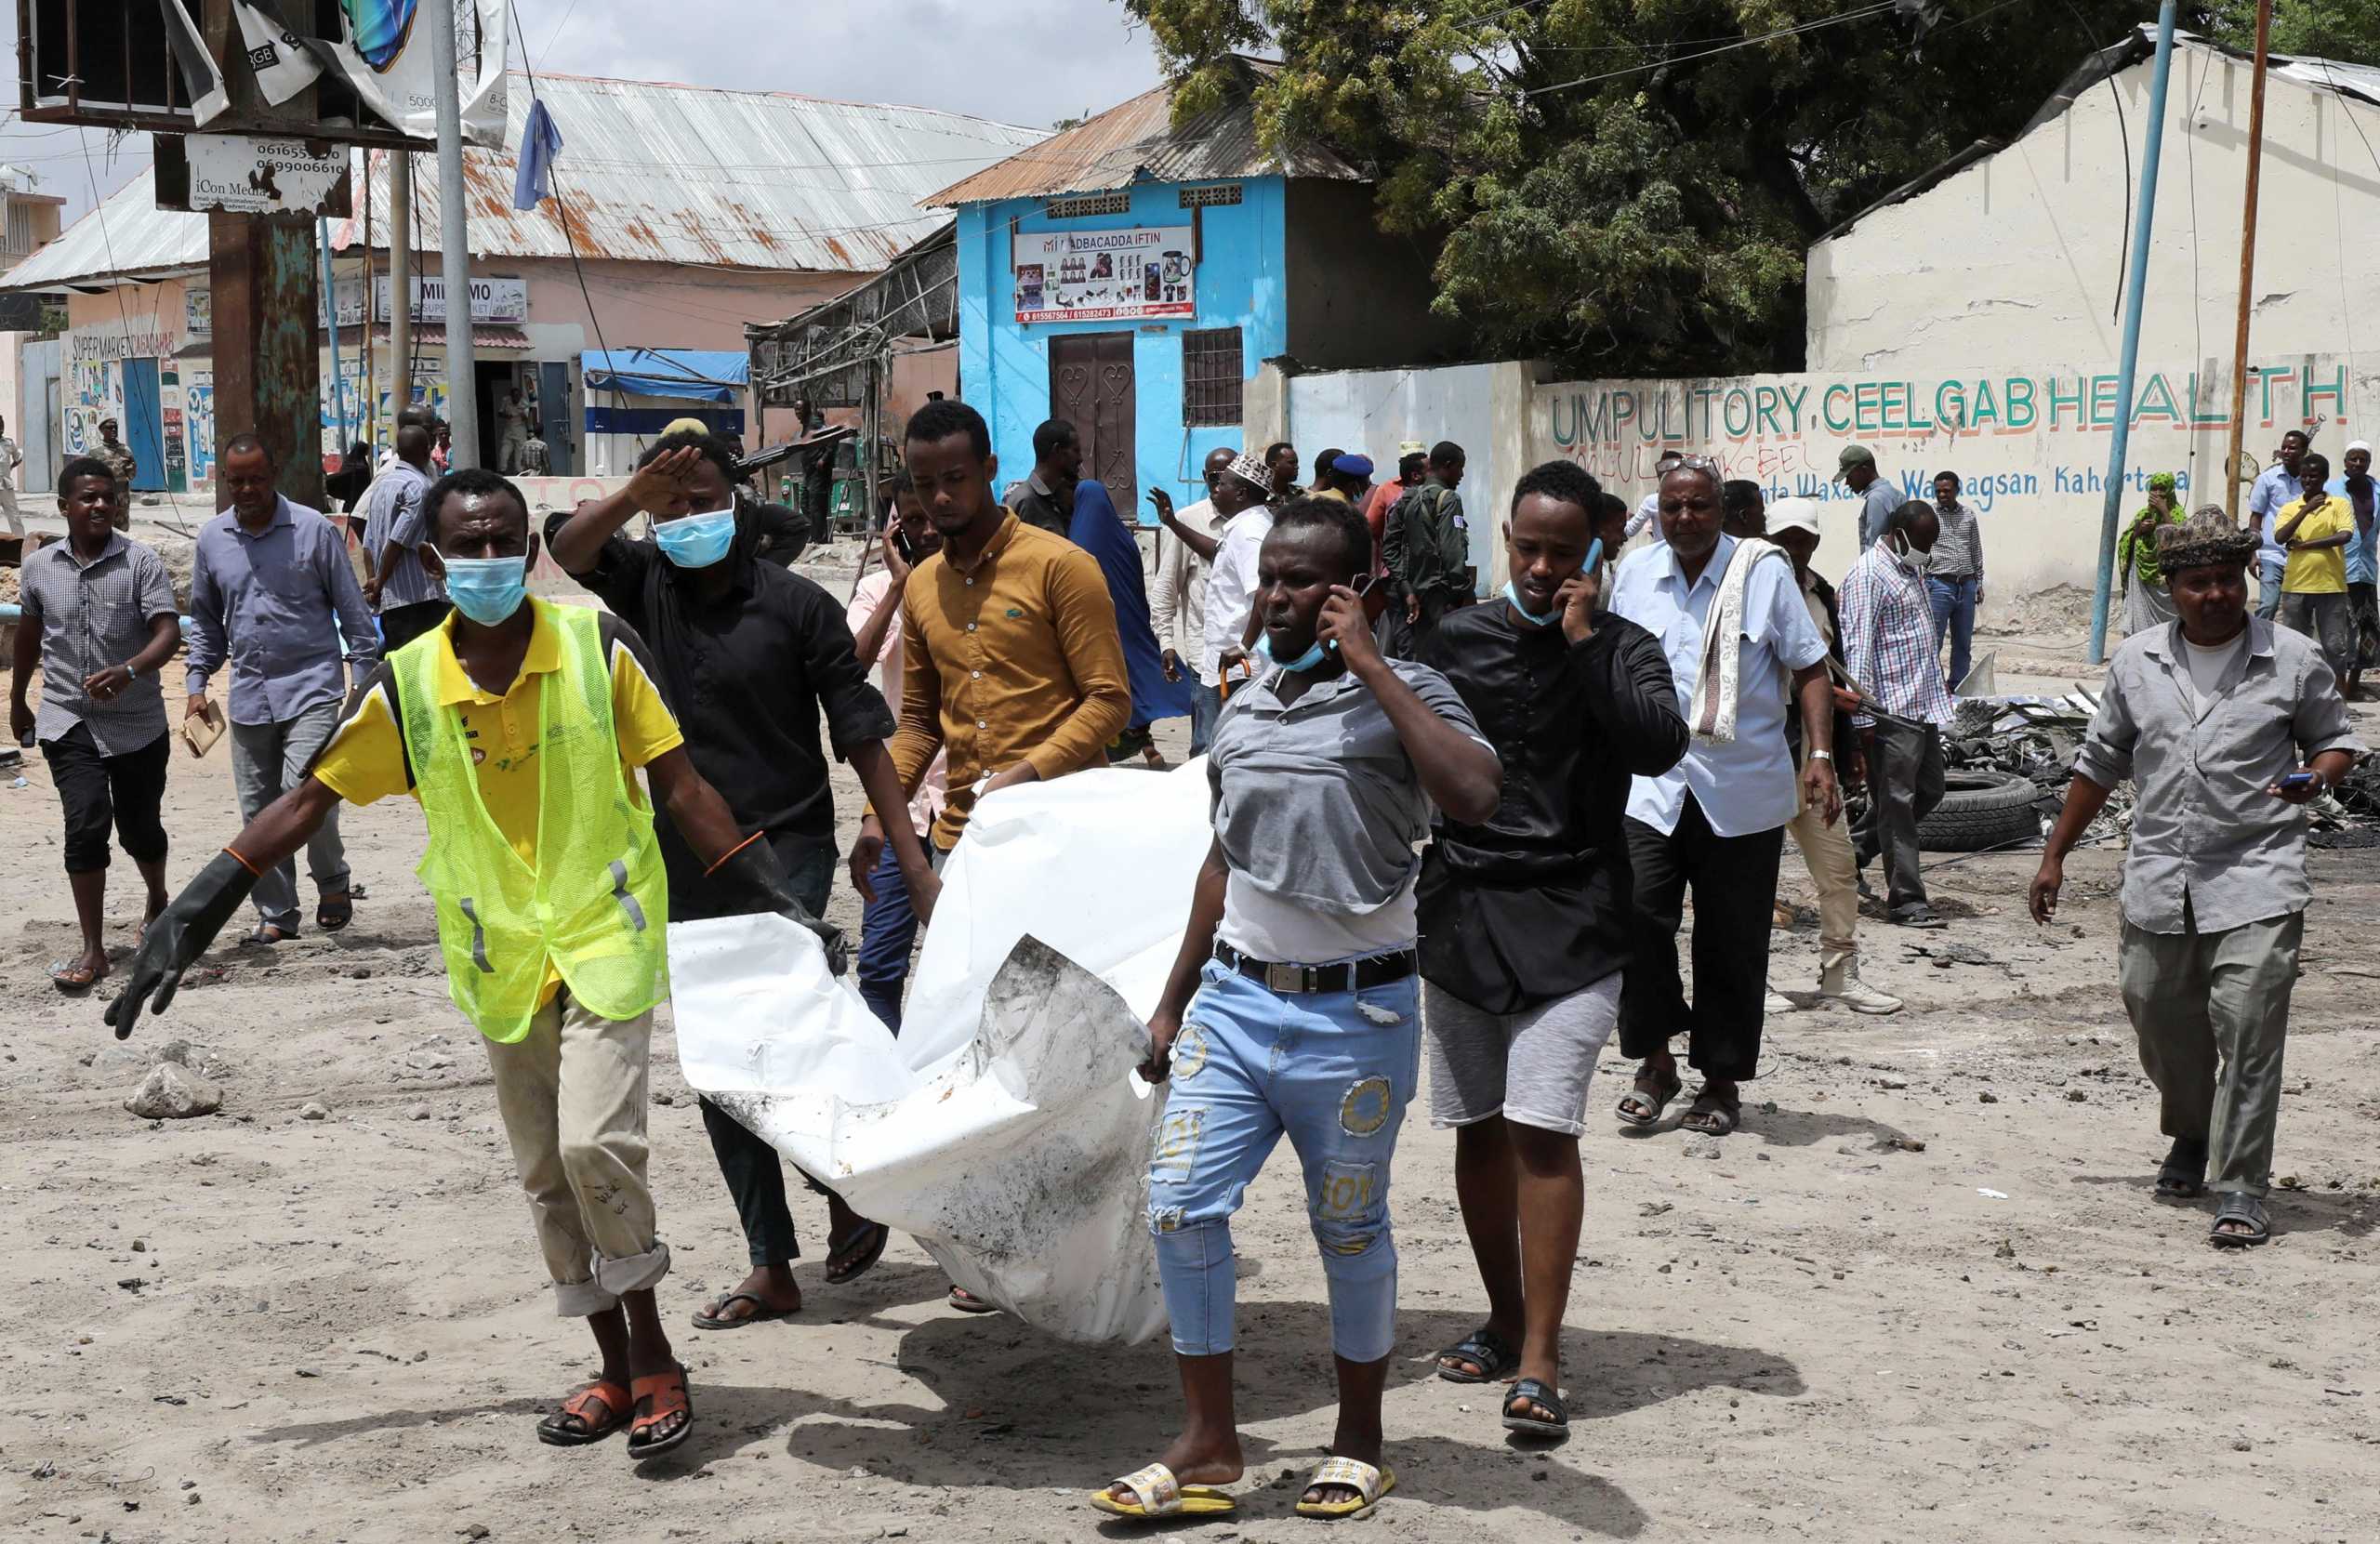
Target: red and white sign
1141 271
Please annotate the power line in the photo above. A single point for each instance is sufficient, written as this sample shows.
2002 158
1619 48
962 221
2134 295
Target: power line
1741 42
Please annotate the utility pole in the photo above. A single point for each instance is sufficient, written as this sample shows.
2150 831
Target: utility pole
2134 291
2247 259
400 281
453 239
267 296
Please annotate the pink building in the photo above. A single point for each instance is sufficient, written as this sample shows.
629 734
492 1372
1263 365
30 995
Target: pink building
678 214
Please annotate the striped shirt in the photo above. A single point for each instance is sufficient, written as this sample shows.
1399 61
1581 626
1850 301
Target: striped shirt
1958 552
1888 643
93 615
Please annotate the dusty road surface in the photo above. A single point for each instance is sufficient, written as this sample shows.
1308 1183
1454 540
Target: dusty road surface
1923 1295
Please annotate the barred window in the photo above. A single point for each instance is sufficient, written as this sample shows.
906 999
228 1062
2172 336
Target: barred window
1210 380
1210 196
1089 204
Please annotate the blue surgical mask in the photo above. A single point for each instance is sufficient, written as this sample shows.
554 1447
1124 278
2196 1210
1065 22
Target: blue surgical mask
1512 594
1315 654
696 541
487 589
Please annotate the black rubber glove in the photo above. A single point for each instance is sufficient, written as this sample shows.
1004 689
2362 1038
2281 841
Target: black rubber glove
178 936
756 866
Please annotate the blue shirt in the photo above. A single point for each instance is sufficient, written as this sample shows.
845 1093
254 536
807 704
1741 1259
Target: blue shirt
275 602
2363 552
2275 486
1746 785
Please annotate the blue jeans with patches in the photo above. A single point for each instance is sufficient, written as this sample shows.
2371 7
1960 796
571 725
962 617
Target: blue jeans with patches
1333 1072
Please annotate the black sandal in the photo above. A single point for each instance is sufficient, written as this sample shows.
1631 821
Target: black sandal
1713 1114
1485 1350
2182 1177
2237 1206
861 1263
714 1315
1531 1390
1651 1095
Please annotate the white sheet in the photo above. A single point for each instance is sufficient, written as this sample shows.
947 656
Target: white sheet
1004 1129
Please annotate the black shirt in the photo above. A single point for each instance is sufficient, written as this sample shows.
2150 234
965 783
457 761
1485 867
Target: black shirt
780 534
1533 905
748 677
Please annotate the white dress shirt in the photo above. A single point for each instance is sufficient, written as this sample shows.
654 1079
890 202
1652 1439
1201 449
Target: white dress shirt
1231 589
1178 591
1746 785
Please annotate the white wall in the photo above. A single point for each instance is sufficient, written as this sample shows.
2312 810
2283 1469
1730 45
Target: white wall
1372 411
2018 259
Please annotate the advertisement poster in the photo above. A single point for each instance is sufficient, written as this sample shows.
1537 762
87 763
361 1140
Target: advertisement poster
176 427
1105 275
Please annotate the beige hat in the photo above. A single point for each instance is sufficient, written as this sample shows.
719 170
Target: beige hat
1415 447
1793 514
2207 539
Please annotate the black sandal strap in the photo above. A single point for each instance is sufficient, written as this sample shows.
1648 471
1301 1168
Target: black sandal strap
1532 1390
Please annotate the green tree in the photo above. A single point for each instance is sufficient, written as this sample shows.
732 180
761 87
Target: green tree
1630 186
2343 30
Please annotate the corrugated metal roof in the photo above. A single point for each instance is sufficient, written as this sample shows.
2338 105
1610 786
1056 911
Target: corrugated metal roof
1136 141
650 172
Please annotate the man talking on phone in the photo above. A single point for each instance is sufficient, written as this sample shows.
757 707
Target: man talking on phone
2226 724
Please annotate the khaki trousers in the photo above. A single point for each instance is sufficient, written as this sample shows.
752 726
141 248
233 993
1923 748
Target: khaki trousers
1826 849
572 1095
2211 1010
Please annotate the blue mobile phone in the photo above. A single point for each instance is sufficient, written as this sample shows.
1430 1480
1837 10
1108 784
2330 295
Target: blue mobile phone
2297 780
1595 554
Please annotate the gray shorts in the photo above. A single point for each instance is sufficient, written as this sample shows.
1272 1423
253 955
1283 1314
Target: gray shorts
1532 1067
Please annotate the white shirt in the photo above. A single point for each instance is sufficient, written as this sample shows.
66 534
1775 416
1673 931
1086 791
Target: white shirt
2206 664
1231 590
2275 486
1178 593
1265 927
1747 785
934 790
1648 515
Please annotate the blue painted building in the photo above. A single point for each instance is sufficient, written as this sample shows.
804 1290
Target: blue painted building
1133 277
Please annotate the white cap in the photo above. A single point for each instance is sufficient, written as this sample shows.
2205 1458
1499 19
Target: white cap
2363 445
1793 514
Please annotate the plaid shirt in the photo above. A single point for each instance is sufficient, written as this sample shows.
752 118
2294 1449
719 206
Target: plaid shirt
1888 640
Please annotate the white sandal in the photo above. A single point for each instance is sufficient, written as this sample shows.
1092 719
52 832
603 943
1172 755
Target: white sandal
1368 1484
1157 1493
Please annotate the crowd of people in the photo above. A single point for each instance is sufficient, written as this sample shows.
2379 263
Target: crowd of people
1444 825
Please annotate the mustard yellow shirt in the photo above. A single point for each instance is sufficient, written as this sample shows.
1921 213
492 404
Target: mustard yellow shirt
365 759
2322 573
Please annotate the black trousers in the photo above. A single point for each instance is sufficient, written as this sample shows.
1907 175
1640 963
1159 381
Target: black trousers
754 1171
98 791
401 625
1904 784
1734 881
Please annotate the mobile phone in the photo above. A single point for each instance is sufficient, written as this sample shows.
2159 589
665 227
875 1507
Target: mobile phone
2297 780
901 541
1595 556
1363 585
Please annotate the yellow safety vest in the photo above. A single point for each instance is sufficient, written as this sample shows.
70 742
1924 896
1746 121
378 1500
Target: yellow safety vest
596 905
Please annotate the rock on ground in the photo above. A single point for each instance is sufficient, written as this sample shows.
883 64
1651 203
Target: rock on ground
172 1091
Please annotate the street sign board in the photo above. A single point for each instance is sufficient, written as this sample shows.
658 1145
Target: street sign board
247 173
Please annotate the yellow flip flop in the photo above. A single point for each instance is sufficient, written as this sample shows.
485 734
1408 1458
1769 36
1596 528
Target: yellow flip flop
1157 1493
1368 1484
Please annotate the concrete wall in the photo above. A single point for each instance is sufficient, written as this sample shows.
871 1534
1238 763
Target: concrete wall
2032 445
1480 407
1004 365
2016 262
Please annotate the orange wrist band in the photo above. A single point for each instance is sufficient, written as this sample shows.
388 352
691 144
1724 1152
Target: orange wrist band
707 872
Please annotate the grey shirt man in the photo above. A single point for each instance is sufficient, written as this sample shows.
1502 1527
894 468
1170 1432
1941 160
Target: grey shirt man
92 617
393 513
1958 552
274 603
2205 835
1876 507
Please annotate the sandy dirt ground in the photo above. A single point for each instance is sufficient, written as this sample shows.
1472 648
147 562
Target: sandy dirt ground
1925 1293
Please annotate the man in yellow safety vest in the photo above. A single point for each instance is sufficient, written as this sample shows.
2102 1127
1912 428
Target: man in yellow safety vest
516 724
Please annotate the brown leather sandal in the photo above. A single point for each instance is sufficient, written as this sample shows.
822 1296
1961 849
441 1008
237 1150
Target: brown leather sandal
659 1396
599 1409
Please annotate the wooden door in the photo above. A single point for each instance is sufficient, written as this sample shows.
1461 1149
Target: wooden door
1092 387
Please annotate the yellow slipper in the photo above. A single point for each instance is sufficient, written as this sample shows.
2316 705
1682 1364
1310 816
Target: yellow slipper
1368 1484
1156 1493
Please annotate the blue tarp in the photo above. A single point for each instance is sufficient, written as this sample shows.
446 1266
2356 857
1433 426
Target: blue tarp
690 375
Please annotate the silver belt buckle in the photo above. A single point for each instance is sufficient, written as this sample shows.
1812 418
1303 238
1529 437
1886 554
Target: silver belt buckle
1285 978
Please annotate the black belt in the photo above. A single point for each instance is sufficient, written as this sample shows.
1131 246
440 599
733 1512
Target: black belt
1372 971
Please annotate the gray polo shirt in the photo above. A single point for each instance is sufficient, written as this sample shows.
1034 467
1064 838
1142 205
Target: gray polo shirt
1316 803
2204 831
93 615
276 605
1876 507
